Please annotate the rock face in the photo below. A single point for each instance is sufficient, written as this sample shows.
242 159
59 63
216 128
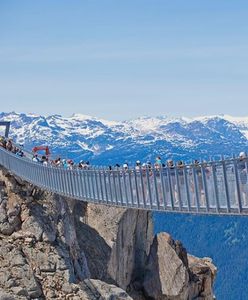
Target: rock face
129 233
171 275
202 273
166 276
57 248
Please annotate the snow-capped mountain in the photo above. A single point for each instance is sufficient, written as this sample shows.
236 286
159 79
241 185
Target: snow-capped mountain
104 142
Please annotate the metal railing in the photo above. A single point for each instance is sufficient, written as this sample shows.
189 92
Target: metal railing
216 187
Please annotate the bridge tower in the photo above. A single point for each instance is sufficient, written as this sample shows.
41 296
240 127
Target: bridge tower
5 124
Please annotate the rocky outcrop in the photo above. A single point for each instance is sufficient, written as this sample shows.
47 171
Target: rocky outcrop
129 234
203 273
40 257
170 275
88 289
52 247
166 275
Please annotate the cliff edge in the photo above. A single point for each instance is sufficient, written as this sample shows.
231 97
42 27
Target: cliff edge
52 247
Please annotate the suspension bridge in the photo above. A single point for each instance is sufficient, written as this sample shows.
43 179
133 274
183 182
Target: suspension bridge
216 187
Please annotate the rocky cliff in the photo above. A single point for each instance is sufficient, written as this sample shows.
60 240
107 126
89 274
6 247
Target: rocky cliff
52 247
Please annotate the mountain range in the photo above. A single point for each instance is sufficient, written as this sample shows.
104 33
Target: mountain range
108 142
225 239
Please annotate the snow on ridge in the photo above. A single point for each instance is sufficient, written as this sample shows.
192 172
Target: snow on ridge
109 123
231 119
236 120
245 133
84 146
92 137
146 125
33 115
81 117
150 123
88 126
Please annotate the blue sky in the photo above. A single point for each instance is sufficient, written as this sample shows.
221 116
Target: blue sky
123 59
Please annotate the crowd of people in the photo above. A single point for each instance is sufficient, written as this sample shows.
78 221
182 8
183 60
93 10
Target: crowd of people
176 170
70 164
157 165
8 144
63 163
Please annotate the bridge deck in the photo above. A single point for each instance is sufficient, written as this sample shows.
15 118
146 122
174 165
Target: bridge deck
218 187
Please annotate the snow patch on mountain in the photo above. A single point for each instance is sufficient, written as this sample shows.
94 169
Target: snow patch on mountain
86 137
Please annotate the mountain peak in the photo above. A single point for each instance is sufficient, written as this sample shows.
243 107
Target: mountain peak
89 138
81 117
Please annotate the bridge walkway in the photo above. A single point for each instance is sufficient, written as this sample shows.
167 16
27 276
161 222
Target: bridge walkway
216 187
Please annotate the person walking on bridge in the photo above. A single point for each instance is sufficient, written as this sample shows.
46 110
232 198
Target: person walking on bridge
9 145
158 163
35 158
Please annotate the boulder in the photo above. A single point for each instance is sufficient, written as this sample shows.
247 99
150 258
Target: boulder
166 275
203 273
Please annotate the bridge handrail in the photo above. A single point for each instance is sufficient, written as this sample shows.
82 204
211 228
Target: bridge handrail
187 165
215 187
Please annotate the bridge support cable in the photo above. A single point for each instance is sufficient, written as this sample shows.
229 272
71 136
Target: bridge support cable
120 189
238 193
149 194
205 187
110 189
187 188
105 186
76 177
136 188
171 188
101 175
84 184
155 172
178 190
196 190
81 188
95 181
115 187
216 193
164 200
224 167
131 187
125 185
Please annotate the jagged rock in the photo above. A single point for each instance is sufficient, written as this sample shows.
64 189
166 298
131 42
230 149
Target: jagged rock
8 296
9 217
203 273
32 226
16 272
19 291
131 246
129 234
53 245
100 290
166 275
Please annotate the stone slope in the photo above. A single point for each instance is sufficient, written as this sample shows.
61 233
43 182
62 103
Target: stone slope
52 247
